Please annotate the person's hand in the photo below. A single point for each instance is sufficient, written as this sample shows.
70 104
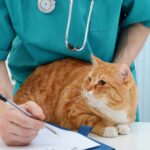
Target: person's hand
16 129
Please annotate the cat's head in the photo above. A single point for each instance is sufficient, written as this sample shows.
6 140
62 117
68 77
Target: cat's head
109 85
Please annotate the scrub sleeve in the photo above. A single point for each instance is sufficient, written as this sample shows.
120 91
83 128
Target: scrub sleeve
135 11
7 33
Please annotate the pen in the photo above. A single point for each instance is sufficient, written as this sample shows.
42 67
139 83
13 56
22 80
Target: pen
6 100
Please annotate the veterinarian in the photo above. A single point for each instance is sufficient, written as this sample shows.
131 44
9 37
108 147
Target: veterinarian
33 32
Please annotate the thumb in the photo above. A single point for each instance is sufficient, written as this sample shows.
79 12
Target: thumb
34 109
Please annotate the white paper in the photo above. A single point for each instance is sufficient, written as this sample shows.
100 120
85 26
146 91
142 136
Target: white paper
46 140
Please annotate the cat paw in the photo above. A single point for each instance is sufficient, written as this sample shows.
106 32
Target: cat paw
110 132
123 129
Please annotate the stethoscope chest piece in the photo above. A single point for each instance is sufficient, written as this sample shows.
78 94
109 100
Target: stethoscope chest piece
46 6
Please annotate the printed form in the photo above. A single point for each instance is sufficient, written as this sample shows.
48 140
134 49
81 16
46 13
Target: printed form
65 140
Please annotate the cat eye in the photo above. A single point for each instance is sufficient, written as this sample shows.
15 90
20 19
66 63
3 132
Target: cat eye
89 79
101 82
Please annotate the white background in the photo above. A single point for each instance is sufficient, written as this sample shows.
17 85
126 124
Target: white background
143 79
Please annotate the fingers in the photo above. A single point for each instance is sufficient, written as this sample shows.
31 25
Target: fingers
12 134
17 129
20 131
34 109
20 119
16 140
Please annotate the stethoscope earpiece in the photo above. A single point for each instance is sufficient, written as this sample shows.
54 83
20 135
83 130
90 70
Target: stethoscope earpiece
72 48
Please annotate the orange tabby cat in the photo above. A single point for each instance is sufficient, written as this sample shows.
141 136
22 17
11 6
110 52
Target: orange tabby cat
73 92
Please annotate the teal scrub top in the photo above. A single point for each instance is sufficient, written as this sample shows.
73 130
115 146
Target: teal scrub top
33 38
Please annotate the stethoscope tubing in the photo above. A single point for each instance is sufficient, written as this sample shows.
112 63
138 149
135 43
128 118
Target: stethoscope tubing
69 45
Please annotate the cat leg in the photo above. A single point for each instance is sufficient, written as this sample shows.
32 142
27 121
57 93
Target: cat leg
79 115
105 130
123 129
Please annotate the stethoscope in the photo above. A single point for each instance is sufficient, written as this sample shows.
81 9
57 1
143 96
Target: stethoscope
47 6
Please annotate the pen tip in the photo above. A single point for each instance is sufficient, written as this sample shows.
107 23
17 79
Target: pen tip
3 98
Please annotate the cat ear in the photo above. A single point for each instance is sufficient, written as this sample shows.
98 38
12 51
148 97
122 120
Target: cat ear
95 60
124 72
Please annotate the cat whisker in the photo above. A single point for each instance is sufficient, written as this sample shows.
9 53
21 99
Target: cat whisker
72 90
77 98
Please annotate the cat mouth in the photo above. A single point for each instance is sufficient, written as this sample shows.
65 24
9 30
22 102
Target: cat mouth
89 95
93 102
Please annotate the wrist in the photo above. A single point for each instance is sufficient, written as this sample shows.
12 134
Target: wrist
121 60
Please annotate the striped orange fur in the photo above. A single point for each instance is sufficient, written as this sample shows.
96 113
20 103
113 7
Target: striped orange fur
73 92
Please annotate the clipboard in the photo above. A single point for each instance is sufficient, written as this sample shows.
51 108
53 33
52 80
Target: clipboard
41 142
85 130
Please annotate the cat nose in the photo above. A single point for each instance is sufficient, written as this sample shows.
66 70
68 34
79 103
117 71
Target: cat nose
90 87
